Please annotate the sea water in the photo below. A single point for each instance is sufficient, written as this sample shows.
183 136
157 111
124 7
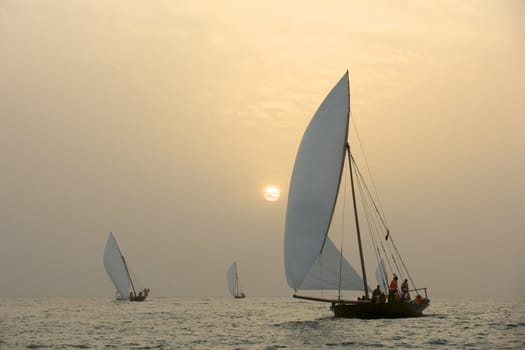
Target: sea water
252 323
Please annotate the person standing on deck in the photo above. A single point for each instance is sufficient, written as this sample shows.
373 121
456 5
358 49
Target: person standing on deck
392 289
404 290
376 294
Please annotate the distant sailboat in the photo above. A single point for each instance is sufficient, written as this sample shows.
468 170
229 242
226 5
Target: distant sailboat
118 272
232 277
312 261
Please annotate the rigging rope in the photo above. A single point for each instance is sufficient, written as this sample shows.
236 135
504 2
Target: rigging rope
403 263
369 205
383 221
368 170
367 196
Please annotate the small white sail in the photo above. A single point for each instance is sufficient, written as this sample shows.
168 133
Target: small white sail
315 183
114 265
381 276
231 277
326 270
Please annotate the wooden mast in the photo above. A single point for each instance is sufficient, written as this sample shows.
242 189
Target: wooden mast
363 270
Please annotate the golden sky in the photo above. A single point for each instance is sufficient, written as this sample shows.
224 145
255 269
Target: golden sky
162 121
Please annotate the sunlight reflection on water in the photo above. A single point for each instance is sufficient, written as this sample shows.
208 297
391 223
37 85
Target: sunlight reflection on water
252 323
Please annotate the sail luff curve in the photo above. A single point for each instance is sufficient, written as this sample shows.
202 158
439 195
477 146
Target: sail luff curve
315 183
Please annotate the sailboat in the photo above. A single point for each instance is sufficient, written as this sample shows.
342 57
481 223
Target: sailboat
232 277
312 260
118 271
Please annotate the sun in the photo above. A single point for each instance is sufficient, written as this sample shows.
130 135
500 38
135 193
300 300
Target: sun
271 193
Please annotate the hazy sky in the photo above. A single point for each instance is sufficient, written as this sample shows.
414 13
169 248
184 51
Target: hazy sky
162 121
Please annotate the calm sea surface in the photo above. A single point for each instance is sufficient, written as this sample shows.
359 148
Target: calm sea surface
252 323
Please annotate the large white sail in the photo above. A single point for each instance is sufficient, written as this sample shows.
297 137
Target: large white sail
231 277
315 183
114 265
329 272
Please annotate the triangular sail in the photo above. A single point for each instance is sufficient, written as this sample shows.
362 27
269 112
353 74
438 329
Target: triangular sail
115 268
231 277
315 183
328 268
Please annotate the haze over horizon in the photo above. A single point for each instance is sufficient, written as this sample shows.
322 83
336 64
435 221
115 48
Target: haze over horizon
163 121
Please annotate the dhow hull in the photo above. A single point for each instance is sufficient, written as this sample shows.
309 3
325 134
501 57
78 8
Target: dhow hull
138 298
368 310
